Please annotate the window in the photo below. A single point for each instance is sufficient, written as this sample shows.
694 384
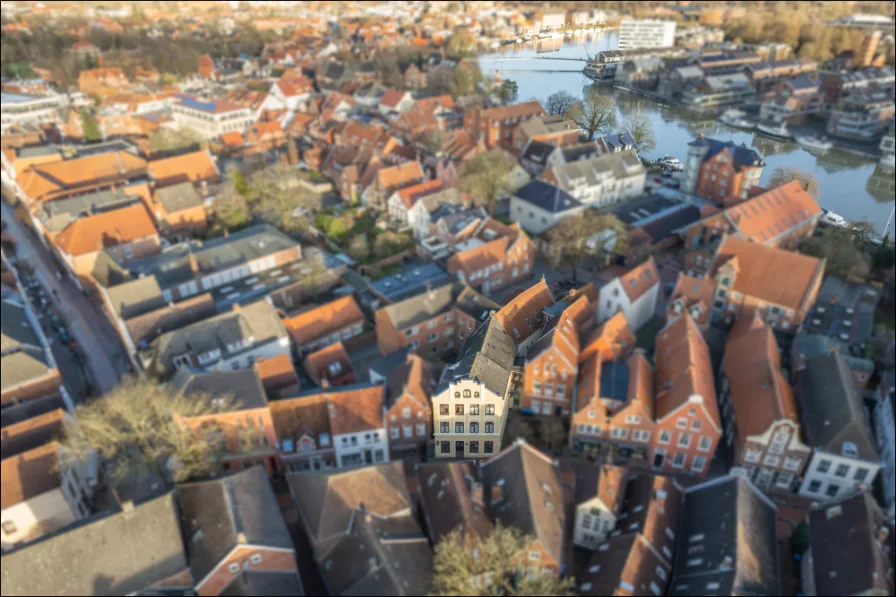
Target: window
458 428
489 447
466 395
832 490
824 466
752 455
814 486
770 460
536 387
406 413
474 427
490 409
255 559
233 568
679 459
548 388
474 409
655 589
443 409
444 427
561 390
699 463
393 432
684 440
489 427
861 475
705 443
459 408
661 573
9 527
791 464
408 431
842 470
421 429
633 419
696 424
681 423
665 437
445 447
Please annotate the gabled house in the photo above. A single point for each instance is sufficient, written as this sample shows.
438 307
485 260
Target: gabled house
723 172
598 494
633 293
602 180
390 179
400 204
179 210
409 404
495 256
496 125
452 497
762 422
324 325
613 339
726 541
395 102
553 130
540 205
198 168
357 420
302 426
233 528
330 366
523 490
844 456
289 94
523 315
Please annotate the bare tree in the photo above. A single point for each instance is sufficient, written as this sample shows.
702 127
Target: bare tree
642 132
487 176
135 427
784 175
588 235
276 195
492 565
596 114
559 102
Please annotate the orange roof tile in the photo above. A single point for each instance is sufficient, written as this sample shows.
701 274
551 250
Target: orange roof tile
293 417
611 339
317 364
109 229
41 179
529 304
276 371
639 280
774 212
29 474
232 139
394 177
193 167
355 409
409 195
324 320
294 86
774 275
522 110
683 369
32 433
693 292
479 257
759 393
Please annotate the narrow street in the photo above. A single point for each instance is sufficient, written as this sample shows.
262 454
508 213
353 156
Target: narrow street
89 326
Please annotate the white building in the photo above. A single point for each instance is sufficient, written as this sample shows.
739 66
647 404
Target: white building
287 95
553 20
646 33
885 430
601 180
357 421
540 205
844 457
212 119
18 110
634 293
599 493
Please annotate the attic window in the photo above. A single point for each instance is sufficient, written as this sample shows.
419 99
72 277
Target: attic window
233 568
850 450
833 512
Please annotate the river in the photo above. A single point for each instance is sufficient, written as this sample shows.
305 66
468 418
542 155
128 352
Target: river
852 186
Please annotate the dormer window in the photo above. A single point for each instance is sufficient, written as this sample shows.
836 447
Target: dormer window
725 281
850 450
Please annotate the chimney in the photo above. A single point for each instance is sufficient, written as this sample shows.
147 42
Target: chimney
236 308
497 495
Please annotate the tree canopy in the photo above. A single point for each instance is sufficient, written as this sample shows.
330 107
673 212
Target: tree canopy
642 132
559 102
276 196
167 139
486 176
509 91
497 564
595 114
838 246
462 43
589 236
90 128
782 175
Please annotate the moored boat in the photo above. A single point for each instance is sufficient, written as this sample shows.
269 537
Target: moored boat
774 130
813 143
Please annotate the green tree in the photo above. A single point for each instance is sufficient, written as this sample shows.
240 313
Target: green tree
90 127
466 79
486 176
781 175
509 91
440 81
496 564
596 114
239 182
642 132
359 247
388 243
135 427
587 236
559 102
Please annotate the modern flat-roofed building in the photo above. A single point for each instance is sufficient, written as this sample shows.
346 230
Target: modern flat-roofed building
212 119
646 33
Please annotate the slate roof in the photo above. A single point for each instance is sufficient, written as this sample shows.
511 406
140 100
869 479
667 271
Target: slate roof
119 554
741 154
486 355
269 583
810 346
547 197
218 515
446 498
179 197
735 525
15 328
537 151
832 407
244 385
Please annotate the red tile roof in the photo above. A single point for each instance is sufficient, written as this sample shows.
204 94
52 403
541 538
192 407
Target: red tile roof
193 167
318 364
529 304
109 229
321 321
355 409
639 280
683 369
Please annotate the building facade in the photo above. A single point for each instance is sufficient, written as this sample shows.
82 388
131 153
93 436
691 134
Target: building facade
646 33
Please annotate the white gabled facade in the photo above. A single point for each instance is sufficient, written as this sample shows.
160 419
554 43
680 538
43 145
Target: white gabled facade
594 523
831 476
362 448
613 298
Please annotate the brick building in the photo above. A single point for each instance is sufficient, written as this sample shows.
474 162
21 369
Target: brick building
496 256
496 125
719 171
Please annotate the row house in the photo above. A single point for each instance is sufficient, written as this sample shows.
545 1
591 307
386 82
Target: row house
330 366
613 339
494 257
726 541
552 361
759 411
407 404
239 430
837 85
600 181
232 340
434 322
553 130
474 394
765 75
792 101
339 427
720 171
639 553
844 456
318 327
850 548
884 418
862 116
496 125
598 493
390 179
634 293
782 217
44 489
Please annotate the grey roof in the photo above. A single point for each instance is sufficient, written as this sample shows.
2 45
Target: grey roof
580 151
620 164
179 197
136 297
253 583
241 247
410 280
107 272
60 213
640 210
847 556
455 218
735 525
619 141
422 307
537 151
15 328
243 385
16 413
547 197
118 554
532 499
803 82
812 345
487 355
258 322
385 365
446 498
742 155
450 196
833 411
663 227
219 515
379 556
476 305
23 365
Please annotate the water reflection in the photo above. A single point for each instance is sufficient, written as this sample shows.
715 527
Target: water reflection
850 185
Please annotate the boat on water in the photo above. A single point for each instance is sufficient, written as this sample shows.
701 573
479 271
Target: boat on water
772 130
737 119
814 143
832 219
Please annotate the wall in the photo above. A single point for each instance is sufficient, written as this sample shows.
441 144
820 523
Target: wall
564 375
534 219
829 478
486 397
693 414
82 265
371 441
396 423
247 358
602 521
46 512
